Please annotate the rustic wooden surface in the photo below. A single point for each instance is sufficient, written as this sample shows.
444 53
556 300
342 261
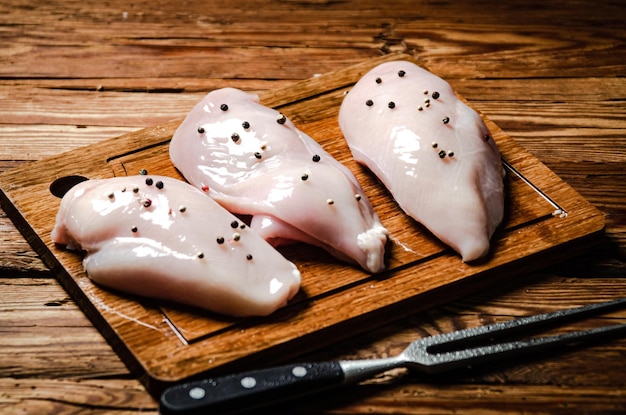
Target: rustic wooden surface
172 343
550 74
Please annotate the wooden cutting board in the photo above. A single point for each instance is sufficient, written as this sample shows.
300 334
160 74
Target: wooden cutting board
168 343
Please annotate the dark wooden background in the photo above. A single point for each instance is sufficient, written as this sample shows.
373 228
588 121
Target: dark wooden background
550 74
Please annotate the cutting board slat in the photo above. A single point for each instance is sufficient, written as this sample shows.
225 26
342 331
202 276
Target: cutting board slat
169 342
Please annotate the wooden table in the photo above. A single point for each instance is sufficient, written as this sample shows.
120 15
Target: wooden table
550 74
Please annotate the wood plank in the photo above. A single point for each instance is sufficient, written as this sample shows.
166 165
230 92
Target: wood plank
250 10
154 86
34 142
469 399
70 396
103 42
17 255
585 88
99 61
121 397
42 325
97 108
144 339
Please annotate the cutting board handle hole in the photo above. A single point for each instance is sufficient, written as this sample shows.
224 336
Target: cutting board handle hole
62 185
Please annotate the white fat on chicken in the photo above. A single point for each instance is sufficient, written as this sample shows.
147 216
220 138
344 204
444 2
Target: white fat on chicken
254 161
162 238
433 153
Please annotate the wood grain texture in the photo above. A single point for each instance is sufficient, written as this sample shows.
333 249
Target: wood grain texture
550 74
419 266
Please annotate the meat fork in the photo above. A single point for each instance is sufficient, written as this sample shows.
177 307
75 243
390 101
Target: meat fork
463 348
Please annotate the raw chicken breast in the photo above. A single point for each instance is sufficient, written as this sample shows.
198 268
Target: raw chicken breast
162 238
254 161
433 153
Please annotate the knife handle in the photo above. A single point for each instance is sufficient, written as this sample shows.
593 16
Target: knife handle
248 390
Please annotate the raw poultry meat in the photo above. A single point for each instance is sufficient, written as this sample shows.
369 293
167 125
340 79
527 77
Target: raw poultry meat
433 153
162 238
254 161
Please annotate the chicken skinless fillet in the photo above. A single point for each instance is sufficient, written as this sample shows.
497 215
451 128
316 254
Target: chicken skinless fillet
433 153
254 161
162 238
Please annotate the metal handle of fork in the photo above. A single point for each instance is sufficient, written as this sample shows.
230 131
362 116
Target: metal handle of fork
358 370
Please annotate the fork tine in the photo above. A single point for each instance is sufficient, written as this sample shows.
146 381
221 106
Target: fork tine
497 330
452 350
440 362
